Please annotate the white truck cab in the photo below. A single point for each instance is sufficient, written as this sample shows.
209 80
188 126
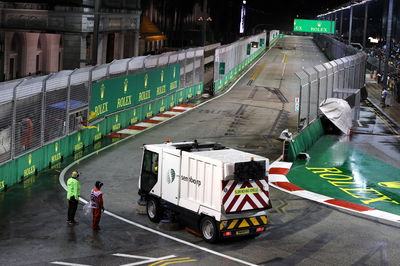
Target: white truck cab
217 191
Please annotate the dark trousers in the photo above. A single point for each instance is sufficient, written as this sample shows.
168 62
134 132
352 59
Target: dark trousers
72 206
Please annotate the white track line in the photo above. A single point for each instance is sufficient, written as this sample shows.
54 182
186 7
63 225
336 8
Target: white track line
68 264
64 171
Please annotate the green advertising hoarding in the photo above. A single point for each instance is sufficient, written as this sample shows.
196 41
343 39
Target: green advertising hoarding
116 94
314 26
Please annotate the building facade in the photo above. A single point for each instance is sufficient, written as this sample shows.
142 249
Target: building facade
42 37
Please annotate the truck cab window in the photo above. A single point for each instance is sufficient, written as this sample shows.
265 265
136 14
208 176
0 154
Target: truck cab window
150 170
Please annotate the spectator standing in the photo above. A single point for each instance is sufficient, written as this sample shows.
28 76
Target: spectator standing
384 94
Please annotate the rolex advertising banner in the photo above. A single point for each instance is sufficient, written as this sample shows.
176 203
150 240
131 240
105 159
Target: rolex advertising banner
317 26
112 95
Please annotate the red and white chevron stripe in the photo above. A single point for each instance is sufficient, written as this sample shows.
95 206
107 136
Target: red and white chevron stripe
234 202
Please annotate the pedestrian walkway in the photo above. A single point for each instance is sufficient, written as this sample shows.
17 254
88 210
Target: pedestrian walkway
374 89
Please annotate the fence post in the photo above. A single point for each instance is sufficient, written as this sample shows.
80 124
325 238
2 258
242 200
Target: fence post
68 103
42 124
13 121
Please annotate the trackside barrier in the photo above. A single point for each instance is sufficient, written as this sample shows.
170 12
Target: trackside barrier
303 141
50 155
41 118
231 59
342 78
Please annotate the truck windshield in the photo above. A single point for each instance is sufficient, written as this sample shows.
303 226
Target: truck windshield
149 171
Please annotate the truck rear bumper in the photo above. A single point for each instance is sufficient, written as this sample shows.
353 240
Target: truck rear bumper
243 226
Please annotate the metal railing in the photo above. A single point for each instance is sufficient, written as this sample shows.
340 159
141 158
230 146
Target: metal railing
38 111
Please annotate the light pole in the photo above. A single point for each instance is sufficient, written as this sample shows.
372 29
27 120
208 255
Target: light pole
350 24
388 42
365 24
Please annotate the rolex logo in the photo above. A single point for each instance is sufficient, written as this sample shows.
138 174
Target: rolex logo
56 147
98 128
146 77
116 119
102 88
162 75
174 72
125 85
30 159
319 24
79 137
134 112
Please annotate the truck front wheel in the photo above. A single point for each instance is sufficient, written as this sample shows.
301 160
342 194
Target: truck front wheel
209 229
154 211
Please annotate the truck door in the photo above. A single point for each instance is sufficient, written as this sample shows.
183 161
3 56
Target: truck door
170 177
149 174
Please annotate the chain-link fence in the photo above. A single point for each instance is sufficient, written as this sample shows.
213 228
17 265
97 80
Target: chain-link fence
38 111
341 78
230 59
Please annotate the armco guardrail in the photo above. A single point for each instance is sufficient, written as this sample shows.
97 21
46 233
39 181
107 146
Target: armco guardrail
41 117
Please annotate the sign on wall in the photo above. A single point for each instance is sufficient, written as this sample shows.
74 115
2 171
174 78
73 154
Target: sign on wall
112 95
315 26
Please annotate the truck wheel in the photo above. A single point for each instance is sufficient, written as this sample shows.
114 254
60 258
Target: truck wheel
153 210
209 229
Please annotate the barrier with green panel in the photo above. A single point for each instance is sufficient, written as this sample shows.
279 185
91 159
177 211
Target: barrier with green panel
234 73
303 141
116 94
52 154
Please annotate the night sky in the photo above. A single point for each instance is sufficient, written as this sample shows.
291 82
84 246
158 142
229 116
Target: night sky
282 12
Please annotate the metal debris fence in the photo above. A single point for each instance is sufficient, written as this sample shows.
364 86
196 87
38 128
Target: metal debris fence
340 78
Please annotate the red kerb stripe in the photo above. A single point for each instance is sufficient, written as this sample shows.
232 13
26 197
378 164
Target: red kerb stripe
177 110
278 171
137 128
165 115
186 105
151 121
288 186
349 205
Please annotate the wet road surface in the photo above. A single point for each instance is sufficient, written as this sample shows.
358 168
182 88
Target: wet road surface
34 230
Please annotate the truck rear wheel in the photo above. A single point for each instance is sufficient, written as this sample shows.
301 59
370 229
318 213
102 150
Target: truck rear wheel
153 209
209 229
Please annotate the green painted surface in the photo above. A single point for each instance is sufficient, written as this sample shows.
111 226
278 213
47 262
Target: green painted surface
316 26
115 94
338 170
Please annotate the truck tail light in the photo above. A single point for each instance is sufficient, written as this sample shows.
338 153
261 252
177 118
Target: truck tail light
260 229
227 233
